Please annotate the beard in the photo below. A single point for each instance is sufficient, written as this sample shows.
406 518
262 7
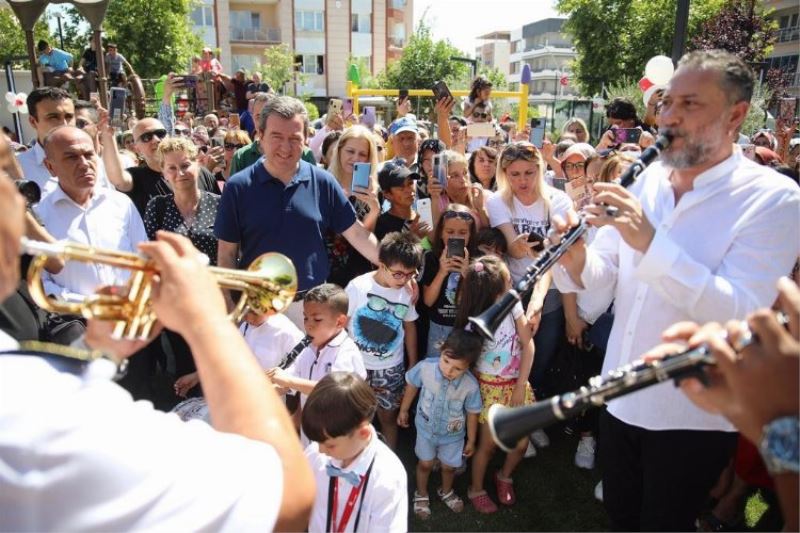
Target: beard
697 149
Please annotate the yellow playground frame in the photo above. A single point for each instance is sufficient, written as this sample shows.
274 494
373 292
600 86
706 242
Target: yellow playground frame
354 92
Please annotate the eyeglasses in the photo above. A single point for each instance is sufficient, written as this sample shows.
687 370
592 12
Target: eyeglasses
181 132
81 123
447 215
148 136
480 115
575 166
232 146
379 303
400 275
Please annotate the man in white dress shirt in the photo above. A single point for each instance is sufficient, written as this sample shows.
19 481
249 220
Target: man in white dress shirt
77 454
77 211
50 107
703 235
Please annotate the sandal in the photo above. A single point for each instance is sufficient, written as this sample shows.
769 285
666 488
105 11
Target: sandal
505 490
422 506
451 500
483 503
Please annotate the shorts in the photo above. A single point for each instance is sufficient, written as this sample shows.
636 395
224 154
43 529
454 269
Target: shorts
449 454
495 389
388 385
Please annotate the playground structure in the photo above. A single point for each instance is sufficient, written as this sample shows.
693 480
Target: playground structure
354 92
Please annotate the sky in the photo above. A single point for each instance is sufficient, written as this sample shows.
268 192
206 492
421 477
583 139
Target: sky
460 21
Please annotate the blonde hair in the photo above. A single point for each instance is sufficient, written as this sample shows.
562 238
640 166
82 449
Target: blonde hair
515 152
237 136
612 166
455 158
355 132
172 145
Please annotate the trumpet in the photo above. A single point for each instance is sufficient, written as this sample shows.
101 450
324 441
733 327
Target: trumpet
268 286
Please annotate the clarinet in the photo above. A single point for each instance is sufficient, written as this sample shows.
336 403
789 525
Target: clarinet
289 358
488 321
509 424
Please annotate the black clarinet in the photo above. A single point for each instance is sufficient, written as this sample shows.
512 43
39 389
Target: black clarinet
509 424
487 322
289 358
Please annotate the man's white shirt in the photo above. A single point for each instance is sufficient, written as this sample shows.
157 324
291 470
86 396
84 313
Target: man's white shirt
109 221
716 256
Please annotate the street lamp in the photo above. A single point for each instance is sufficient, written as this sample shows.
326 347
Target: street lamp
60 31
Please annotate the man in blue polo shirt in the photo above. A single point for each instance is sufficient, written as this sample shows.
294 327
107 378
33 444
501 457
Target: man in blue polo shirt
282 204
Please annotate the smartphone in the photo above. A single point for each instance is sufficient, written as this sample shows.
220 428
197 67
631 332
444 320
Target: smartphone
190 80
233 121
455 247
369 117
425 211
116 109
538 128
627 135
360 176
347 108
537 239
480 129
441 91
749 151
440 168
787 109
335 106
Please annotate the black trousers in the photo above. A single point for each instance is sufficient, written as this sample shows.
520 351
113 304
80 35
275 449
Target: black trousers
659 480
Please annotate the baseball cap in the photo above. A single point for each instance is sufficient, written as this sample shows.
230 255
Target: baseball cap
403 124
394 175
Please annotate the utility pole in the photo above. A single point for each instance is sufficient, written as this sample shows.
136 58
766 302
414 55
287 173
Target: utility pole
681 25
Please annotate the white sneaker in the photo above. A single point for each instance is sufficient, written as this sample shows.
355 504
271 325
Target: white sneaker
540 438
598 491
584 456
531 451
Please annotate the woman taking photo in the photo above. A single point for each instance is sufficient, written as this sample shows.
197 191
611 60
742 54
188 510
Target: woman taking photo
522 209
356 145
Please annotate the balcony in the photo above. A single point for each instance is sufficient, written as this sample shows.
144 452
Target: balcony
255 35
787 35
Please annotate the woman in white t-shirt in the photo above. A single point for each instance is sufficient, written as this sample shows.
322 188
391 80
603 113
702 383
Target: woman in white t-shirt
522 209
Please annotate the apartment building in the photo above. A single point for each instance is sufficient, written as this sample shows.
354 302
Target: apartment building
324 34
548 51
787 48
495 50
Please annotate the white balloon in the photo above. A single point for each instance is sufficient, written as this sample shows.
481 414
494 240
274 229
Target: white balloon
659 70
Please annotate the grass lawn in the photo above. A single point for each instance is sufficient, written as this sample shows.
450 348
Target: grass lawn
552 495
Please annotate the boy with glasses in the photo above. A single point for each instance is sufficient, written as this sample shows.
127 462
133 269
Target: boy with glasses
382 319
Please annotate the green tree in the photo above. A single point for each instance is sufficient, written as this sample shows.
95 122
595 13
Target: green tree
280 66
12 37
615 38
154 35
368 81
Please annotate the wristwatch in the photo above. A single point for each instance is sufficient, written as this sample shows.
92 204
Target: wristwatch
780 445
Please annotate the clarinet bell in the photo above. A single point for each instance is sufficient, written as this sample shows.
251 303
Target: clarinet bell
487 322
509 424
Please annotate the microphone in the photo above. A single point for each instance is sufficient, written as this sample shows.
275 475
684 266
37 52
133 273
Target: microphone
647 157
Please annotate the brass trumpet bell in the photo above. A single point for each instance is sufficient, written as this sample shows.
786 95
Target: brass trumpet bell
268 286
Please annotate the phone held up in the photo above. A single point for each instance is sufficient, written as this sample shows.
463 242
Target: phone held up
440 91
538 128
627 135
456 247
440 168
425 211
117 107
360 176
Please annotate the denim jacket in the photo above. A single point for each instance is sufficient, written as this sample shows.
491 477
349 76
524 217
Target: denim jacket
443 404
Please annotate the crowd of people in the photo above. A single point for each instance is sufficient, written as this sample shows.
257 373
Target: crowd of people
398 237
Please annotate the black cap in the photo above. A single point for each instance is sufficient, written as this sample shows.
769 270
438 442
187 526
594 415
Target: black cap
394 174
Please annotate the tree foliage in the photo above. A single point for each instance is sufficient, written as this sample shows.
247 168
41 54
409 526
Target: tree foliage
615 38
155 36
12 37
279 68
741 28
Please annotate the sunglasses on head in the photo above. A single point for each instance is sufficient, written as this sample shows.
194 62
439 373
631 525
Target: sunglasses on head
520 150
457 214
148 136
232 146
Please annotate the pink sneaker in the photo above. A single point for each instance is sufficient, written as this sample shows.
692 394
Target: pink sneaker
483 503
505 490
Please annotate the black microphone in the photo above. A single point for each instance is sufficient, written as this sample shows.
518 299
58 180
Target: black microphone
647 157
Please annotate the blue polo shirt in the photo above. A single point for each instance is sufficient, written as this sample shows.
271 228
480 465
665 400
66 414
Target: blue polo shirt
263 215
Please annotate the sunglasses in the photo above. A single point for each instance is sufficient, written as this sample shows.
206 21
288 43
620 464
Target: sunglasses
231 146
457 214
480 115
520 150
148 136
181 132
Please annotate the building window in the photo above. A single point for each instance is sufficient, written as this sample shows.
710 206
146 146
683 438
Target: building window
398 4
310 64
249 20
360 23
203 16
245 61
309 21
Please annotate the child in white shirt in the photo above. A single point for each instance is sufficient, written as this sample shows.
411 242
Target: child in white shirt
361 484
